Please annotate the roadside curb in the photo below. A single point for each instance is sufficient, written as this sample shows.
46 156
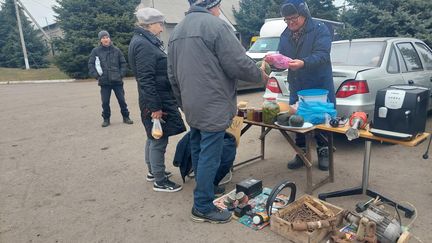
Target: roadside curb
38 81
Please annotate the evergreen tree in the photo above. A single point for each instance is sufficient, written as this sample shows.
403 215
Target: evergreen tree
323 9
250 17
81 21
11 54
404 18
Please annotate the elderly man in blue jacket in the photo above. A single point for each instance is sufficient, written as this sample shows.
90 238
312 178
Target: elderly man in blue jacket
308 43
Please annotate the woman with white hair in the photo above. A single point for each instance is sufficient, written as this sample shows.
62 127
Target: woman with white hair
148 61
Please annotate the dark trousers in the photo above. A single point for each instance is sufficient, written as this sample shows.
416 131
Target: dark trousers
106 95
300 140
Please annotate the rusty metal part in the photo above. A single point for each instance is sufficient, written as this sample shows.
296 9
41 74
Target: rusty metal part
302 214
370 236
361 230
310 226
339 238
315 210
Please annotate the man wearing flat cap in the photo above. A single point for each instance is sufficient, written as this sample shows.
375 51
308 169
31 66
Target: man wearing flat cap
108 65
205 60
308 43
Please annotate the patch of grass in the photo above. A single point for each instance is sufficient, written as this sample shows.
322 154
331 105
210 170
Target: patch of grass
18 74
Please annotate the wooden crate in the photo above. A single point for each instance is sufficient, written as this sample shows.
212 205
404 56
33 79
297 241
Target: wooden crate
284 228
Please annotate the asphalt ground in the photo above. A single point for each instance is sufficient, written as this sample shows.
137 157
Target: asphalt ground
63 178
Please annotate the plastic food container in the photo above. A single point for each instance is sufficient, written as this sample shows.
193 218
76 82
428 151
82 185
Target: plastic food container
313 95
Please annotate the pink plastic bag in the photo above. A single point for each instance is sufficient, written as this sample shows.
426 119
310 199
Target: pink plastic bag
278 60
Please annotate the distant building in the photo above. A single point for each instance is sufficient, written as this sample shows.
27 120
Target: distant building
174 11
53 31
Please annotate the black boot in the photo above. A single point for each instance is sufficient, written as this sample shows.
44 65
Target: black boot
296 162
106 122
323 158
127 120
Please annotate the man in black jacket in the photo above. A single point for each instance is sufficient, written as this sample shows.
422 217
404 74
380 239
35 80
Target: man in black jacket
108 65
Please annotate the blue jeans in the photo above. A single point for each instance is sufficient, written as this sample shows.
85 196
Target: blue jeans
227 159
206 157
106 96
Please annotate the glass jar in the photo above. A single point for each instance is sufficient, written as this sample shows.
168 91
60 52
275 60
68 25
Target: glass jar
258 115
270 109
250 114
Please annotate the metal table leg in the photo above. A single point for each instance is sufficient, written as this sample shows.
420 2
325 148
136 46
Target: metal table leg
363 189
307 159
264 132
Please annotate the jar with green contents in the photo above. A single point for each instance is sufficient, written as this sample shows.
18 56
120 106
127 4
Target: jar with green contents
270 109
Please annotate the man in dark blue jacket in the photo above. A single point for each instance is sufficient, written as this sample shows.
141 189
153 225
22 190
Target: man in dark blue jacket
108 65
308 43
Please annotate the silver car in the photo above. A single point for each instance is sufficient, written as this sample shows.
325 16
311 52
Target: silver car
361 67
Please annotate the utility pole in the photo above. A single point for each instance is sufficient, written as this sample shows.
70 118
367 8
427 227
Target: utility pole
21 36
34 20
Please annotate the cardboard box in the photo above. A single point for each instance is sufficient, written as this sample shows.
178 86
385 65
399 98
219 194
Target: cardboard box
284 228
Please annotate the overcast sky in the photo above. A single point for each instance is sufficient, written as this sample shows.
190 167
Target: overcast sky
43 13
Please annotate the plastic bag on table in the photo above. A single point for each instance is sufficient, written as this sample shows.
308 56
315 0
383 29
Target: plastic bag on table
157 129
278 60
316 112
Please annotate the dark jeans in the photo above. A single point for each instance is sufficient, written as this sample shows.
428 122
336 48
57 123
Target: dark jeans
206 150
227 160
300 140
106 95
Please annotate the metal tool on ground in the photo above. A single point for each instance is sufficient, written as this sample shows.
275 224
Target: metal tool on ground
358 120
243 209
388 229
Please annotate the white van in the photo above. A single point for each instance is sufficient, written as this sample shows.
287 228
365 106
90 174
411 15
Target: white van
268 40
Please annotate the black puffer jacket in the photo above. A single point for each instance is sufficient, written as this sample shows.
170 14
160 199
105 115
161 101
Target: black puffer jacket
149 64
113 65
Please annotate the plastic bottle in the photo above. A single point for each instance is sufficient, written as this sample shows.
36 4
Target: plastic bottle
270 109
260 217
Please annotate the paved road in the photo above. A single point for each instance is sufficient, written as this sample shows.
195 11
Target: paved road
63 178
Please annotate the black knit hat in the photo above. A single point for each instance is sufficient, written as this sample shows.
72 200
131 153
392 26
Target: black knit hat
103 33
208 4
293 7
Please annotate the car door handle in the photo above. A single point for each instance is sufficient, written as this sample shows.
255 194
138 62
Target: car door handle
410 82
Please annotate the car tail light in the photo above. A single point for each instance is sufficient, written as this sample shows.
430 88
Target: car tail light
273 86
352 87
